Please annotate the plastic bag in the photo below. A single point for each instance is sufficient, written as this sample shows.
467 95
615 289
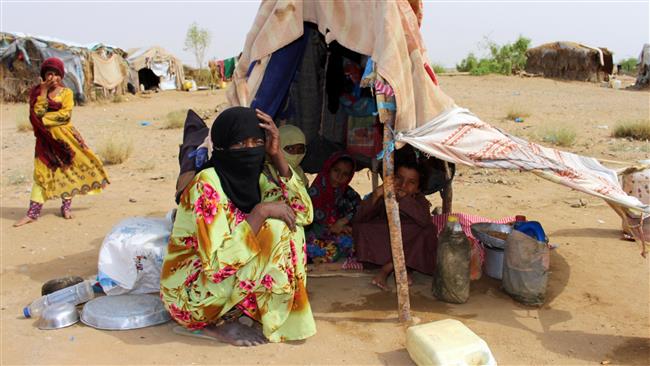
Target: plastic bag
525 268
131 256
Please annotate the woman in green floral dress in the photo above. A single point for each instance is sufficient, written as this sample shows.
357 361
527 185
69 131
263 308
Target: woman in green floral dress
237 246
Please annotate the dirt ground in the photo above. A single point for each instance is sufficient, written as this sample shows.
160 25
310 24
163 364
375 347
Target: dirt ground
597 307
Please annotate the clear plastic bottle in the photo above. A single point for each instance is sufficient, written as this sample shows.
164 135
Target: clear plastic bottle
76 294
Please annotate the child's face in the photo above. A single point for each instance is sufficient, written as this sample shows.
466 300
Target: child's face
407 182
340 173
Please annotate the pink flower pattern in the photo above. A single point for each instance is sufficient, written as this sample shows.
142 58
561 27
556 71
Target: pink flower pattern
191 242
250 302
197 263
191 278
247 285
206 205
196 325
223 273
239 216
267 281
182 316
294 257
289 272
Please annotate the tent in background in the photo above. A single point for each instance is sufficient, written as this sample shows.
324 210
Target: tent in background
21 57
156 68
643 77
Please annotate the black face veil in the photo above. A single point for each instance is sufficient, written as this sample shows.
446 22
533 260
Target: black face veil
239 169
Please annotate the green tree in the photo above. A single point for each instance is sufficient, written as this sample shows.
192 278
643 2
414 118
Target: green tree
506 59
197 41
629 65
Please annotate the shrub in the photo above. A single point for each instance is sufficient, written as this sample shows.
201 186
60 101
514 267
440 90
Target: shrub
561 137
115 150
438 68
636 130
515 112
506 59
175 119
118 98
16 179
628 66
22 119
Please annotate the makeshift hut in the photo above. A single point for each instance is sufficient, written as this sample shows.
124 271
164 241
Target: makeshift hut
643 77
109 71
156 69
88 68
570 60
317 66
21 57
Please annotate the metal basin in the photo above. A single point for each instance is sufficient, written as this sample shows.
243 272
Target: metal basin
58 316
124 312
482 232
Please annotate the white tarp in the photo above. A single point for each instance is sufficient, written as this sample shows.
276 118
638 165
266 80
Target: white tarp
460 137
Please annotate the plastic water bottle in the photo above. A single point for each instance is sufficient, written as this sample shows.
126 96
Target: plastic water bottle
77 294
452 275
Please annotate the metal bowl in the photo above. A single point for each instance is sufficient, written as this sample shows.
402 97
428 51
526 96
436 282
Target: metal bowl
124 312
481 230
58 316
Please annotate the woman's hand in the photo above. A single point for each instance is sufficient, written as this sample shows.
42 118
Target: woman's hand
272 133
273 144
275 210
378 193
48 84
341 227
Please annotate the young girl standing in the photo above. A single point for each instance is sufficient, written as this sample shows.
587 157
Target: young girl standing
64 165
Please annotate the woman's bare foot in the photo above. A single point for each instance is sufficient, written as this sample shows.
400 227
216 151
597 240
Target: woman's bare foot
237 334
24 221
67 215
380 280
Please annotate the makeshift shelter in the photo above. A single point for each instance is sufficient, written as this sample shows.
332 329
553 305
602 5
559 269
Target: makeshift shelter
643 77
109 70
299 56
570 60
156 68
87 66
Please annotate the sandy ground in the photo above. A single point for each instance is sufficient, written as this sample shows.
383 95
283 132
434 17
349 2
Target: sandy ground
598 294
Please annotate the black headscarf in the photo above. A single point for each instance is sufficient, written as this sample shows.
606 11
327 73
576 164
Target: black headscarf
239 170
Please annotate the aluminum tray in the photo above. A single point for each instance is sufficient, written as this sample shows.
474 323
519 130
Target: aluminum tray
124 312
480 231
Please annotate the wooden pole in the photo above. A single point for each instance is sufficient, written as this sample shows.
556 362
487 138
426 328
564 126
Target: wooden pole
387 117
374 166
447 192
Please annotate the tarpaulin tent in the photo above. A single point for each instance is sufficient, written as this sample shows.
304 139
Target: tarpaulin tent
643 77
21 56
281 61
157 68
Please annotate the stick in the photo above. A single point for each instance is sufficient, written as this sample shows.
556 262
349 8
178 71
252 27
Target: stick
447 193
387 117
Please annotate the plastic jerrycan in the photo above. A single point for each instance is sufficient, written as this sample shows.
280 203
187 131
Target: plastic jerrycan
447 342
